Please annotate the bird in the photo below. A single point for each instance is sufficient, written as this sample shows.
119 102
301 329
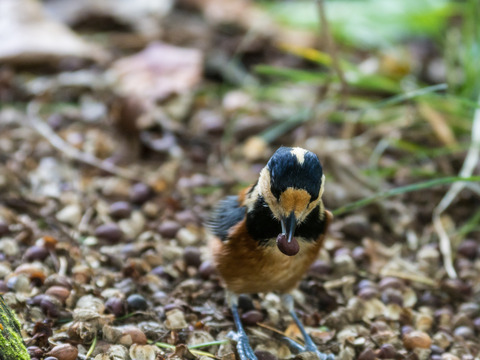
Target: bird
266 237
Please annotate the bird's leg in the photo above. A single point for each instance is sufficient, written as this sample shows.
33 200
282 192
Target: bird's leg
244 350
309 344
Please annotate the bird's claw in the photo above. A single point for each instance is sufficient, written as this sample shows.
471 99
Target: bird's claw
309 347
245 351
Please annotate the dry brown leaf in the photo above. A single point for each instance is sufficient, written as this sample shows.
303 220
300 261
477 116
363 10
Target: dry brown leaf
28 36
158 72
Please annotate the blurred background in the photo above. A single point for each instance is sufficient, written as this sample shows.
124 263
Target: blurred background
123 122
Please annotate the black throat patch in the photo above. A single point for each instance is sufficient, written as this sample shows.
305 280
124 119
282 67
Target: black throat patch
262 226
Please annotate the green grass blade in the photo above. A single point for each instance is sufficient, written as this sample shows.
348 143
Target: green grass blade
401 190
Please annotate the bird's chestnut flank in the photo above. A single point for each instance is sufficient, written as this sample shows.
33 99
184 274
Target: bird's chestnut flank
268 235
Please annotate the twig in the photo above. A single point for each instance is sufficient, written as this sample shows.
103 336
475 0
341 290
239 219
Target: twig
57 142
271 328
471 161
407 276
332 49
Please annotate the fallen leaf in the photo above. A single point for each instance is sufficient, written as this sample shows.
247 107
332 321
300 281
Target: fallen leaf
158 71
28 36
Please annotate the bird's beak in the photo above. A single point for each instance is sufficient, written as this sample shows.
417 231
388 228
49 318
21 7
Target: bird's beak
288 226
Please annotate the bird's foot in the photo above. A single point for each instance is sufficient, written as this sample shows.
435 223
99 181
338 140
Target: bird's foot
245 352
309 347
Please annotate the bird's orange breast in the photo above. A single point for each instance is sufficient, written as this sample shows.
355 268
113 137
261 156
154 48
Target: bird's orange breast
248 267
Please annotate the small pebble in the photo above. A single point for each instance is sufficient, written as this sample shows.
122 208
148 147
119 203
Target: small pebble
120 210
417 339
168 228
140 193
110 232
51 358
192 256
137 302
252 317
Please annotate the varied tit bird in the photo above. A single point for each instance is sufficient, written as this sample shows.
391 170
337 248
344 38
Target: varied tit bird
267 237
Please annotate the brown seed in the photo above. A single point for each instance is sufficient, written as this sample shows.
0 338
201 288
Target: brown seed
367 354
264 355
35 351
387 351
110 232
206 269
367 293
51 306
186 217
140 193
468 248
64 352
60 292
464 332
391 282
116 306
392 296
192 256
359 254
320 267
35 252
288 248
168 228
252 317
132 335
3 228
120 210
417 339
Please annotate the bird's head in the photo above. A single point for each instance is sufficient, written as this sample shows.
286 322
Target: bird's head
292 186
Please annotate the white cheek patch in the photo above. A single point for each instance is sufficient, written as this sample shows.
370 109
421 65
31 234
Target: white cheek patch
322 187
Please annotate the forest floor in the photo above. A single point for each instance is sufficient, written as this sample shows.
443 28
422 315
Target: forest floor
121 127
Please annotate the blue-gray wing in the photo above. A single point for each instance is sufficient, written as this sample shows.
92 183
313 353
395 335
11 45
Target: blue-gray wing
227 214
